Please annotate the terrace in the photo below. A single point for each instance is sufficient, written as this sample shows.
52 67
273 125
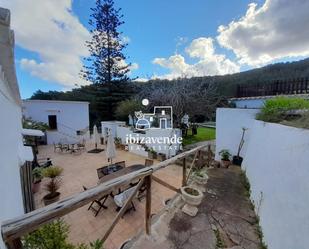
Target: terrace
80 170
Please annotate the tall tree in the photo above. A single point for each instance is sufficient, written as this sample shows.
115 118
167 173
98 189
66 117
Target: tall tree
106 63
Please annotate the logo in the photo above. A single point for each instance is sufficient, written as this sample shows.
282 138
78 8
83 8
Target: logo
161 118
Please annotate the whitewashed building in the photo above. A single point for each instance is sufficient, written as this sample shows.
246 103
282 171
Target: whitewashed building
13 153
68 121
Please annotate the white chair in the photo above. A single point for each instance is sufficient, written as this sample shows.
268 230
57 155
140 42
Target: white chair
121 199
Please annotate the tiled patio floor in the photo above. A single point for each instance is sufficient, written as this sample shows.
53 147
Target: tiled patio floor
80 170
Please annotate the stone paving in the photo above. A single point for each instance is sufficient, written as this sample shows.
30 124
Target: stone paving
225 219
80 170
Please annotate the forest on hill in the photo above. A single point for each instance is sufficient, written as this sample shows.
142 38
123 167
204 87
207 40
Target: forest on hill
104 98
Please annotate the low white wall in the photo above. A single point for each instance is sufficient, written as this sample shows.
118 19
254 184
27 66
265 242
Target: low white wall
275 160
276 164
229 123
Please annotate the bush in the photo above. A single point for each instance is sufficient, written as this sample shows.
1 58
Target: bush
55 235
278 109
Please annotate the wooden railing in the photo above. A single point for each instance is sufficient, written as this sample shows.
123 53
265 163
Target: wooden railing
293 86
12 230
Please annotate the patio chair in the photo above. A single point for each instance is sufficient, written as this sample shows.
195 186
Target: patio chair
148 162
100 204
121 199
82 145
122 163
57 146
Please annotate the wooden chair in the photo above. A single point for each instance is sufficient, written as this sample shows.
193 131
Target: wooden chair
82 145
57 147
100 173
100 204
148 162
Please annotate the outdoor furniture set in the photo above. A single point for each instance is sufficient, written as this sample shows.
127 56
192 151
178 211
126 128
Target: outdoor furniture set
110 172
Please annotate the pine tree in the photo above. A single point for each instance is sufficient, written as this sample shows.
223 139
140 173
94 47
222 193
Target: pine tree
106 63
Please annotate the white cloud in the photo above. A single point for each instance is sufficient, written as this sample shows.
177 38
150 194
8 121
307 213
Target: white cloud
50 29
209 63
134 66
276 30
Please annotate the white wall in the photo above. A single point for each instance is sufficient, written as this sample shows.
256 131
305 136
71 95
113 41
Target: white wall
229 123
71 117
275 160
11 146
249 103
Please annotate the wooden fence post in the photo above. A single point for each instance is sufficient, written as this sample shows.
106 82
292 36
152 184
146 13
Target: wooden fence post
148 205
184 172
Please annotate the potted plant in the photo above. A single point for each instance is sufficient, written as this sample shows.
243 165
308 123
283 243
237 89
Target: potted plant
118 142
53 173
225 158
161 157
200 177
192 197
152 154
237 160
37 178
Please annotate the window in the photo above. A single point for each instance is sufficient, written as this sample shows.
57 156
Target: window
52 122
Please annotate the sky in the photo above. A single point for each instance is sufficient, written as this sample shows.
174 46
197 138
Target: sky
166 39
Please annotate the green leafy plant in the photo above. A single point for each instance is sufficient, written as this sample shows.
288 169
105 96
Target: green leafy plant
37 174
55 236
225 155
280 108
53 185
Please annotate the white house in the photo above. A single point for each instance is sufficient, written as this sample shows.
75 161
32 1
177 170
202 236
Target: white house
13 153
68 121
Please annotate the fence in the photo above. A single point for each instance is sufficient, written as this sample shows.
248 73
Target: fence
14 229
294 86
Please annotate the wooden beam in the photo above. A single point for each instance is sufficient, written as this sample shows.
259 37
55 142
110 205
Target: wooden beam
14 244
191 166
122 211
22 225
184 172
165 184
148 204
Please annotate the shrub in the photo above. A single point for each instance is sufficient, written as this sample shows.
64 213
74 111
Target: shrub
225 155
278 109
55 235
53 185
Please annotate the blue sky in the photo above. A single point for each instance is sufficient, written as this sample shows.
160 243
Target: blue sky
166 39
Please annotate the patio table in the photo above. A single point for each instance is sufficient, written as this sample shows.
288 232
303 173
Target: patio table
120 172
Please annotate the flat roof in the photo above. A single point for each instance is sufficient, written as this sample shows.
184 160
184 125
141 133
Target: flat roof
55 101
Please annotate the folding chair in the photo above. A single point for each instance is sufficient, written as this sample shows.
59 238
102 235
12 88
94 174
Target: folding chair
121 199
100 203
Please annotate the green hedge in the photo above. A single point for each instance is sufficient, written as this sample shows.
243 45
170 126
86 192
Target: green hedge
278 109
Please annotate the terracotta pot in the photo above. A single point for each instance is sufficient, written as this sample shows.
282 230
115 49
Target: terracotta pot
152 155
36 186
193 200
161 157
225 163
47 200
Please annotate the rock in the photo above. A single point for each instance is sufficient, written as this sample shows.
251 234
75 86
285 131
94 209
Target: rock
189 210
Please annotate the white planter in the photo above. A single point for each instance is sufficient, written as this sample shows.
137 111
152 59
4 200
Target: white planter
202 180
193 200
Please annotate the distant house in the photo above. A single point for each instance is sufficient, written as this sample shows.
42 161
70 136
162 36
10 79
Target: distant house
68 121
13 154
